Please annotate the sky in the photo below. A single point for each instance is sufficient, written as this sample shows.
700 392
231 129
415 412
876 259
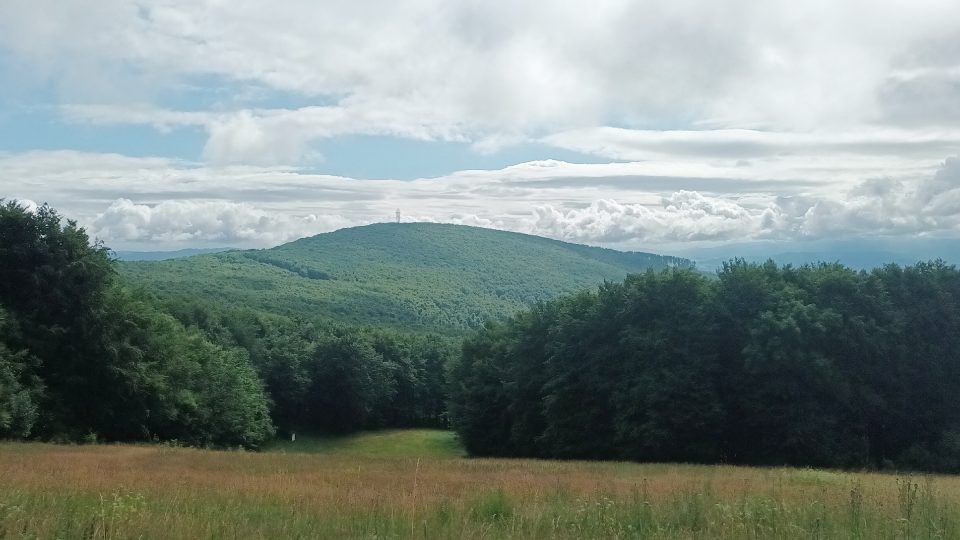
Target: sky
172 124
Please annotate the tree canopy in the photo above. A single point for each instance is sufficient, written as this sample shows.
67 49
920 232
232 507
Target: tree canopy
817 365
80 357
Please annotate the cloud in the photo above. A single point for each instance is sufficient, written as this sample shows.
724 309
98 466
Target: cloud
241 138
926 97
217 223
271 137
135 114
875 207
498 71
682 216
929 206
740 144
149 202
722 121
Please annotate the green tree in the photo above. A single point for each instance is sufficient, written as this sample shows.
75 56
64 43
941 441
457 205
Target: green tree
349 384
86 357
20 388
817 365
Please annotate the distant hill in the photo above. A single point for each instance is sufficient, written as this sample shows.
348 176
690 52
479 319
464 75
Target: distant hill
411 275
857 253
164 255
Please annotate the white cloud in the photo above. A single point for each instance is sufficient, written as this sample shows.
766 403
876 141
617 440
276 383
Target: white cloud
881 206
241 138
498 71
274 136
218 223
149 202
635 145
682 216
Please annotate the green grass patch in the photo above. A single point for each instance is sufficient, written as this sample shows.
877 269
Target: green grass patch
406 443
140 491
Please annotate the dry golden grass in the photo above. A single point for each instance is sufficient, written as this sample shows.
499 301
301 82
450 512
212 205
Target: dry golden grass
49 491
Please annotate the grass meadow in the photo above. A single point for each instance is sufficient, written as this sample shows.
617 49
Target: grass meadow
417 484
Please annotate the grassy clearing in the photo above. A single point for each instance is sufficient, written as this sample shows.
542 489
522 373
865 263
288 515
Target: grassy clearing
399 443
51 491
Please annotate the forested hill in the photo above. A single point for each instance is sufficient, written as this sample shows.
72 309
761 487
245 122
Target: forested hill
412 275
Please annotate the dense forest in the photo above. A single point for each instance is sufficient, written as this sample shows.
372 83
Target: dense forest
424 277
84 358
335 378
816 365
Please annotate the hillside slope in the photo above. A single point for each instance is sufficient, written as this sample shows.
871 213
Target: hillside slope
411 275
164 255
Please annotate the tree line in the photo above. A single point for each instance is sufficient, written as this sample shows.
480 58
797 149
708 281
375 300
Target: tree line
323 376
813 366
84 358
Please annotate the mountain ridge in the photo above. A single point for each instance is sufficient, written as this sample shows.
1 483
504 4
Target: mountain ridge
412 275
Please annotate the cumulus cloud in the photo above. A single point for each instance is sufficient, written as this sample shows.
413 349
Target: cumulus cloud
147 202
681 216
875 207
218 223
928 206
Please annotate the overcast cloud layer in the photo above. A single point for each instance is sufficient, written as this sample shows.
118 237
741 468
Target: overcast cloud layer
205 123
